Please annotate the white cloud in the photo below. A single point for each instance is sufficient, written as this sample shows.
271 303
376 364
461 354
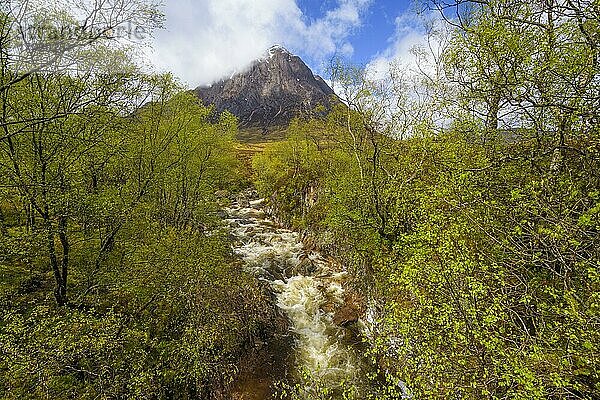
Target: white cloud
413 48
411 69
206 40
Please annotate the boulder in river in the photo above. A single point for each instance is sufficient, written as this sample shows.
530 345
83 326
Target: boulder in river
351 311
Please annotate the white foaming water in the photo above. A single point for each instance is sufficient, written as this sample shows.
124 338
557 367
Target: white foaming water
276 255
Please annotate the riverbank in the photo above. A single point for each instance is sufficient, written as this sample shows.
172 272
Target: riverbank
308 288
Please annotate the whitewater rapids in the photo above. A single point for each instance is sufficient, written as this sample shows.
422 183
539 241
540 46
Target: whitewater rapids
307 287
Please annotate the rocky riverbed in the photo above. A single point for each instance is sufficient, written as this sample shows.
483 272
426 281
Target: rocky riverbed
309 289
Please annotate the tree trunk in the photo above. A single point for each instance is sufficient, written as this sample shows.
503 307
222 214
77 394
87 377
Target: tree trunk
30 215
3 229
60 291
64 241
491 123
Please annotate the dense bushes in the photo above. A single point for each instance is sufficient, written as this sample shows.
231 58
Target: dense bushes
171 323
481 271
157 307
468 211
116 279
124 230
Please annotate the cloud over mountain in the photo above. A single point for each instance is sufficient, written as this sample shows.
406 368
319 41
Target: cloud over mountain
222 36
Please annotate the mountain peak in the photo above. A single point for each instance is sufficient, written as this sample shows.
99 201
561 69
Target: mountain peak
271 92
277 48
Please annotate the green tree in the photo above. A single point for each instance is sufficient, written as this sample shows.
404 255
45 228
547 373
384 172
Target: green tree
474 241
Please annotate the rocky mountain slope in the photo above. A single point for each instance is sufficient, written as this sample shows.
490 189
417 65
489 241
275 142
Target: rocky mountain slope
272 91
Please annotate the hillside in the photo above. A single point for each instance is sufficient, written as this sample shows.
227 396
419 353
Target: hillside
270 93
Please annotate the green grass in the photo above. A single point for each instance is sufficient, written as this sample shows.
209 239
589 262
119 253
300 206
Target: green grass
259 135
11 276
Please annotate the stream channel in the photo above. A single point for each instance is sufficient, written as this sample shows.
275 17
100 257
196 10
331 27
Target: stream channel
308 288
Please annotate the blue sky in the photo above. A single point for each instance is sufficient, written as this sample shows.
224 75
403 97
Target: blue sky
206 40
377 29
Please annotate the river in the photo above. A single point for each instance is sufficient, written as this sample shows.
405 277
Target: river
308 287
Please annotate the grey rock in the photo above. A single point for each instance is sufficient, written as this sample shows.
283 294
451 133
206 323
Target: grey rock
271 92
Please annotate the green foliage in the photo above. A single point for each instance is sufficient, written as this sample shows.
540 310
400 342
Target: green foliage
475 243
172 326
116 279
485 271
310 388
478 257
289 170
